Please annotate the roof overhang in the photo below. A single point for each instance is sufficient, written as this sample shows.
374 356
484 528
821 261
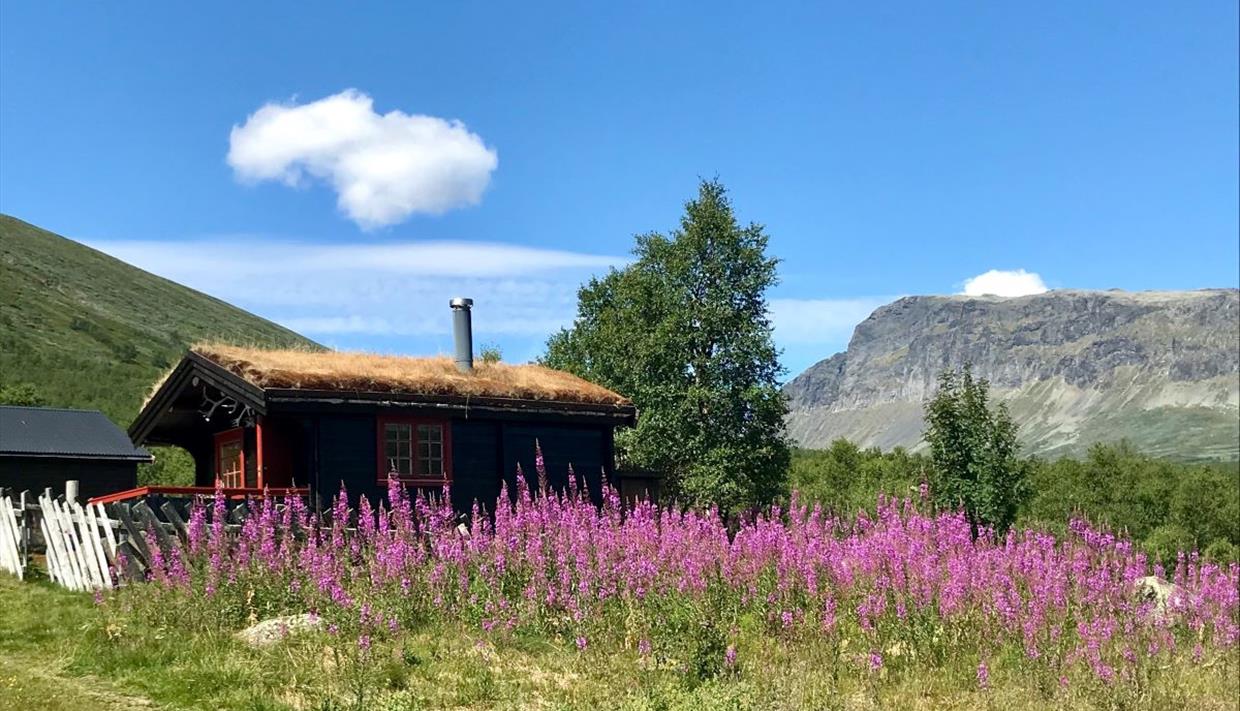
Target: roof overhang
293 398
146 457
193 371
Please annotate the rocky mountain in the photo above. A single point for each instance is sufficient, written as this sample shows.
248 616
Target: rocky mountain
1161 369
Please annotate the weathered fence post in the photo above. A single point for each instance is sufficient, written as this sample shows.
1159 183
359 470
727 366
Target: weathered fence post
10 538
71 491
25 528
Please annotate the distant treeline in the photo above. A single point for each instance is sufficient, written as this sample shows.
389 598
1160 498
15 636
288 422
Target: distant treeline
1162 505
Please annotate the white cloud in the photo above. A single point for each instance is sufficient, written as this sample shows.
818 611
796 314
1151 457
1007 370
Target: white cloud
821 321
997 282
261 256
383 168
357 291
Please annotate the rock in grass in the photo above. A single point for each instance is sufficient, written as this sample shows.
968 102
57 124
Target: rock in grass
1152 588
269 632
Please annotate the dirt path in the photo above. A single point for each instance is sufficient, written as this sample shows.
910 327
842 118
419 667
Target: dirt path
35 682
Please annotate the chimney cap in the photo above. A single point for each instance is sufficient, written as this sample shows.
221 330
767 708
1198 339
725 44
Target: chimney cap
461 302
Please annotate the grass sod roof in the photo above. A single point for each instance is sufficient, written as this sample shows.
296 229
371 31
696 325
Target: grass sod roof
371 372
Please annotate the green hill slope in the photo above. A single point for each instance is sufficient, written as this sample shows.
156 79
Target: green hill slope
88 330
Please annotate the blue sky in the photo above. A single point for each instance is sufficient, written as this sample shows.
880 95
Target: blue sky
888 148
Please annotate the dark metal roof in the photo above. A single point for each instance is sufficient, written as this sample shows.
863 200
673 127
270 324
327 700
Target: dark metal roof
54 432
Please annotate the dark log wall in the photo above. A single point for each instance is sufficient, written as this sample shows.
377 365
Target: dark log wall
484 452
96 477
585 448
327 451
346 454
476 465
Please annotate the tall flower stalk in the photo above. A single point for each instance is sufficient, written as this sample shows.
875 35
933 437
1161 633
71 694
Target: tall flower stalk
899 583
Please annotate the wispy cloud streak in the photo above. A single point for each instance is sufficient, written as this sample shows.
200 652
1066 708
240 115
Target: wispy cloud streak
379 289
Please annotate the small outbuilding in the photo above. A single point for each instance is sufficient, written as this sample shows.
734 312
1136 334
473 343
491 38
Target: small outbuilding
44 447
314 421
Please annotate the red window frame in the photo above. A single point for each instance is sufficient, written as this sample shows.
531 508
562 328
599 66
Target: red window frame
413 422
234 436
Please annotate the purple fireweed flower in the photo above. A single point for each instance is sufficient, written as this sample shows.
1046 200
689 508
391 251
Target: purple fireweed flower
541 560
540 468
157 571
581 644
729 657
828 615
197 527
983 675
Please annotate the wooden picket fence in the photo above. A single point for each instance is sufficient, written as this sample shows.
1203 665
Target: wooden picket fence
12 539
80 545
94 546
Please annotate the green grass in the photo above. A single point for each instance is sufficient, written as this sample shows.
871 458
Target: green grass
87 330
59 650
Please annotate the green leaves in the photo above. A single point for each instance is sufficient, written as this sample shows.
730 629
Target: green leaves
683 331
20 394
973 445
1158 502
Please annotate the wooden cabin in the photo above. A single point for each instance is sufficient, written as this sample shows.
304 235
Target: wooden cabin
306 420
43 447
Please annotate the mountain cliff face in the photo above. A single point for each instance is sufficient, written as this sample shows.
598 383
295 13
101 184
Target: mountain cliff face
1161 369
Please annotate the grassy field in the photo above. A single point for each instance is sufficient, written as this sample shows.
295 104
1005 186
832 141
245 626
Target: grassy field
152 646
58 650
88 330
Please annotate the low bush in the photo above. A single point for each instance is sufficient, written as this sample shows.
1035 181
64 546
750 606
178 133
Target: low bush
1163 506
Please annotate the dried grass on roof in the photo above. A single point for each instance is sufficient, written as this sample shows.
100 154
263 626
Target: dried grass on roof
369 372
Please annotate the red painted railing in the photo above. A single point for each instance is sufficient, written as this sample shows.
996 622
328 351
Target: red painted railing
231 493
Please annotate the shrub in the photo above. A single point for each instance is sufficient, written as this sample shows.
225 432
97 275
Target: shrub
975 453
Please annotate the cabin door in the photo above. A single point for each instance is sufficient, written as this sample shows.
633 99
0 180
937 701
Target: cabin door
230 458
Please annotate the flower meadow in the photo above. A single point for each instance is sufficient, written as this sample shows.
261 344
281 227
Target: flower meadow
873 599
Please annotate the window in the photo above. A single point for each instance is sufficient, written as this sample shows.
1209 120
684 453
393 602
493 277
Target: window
230 459
415 450
430 451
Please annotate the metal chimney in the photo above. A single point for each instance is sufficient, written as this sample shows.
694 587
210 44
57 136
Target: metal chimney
463 333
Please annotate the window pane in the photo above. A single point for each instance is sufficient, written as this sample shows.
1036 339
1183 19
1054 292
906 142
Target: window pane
414 449
397 448
429 466
430 450
228 464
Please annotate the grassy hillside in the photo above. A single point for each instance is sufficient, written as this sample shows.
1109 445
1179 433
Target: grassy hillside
88 330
